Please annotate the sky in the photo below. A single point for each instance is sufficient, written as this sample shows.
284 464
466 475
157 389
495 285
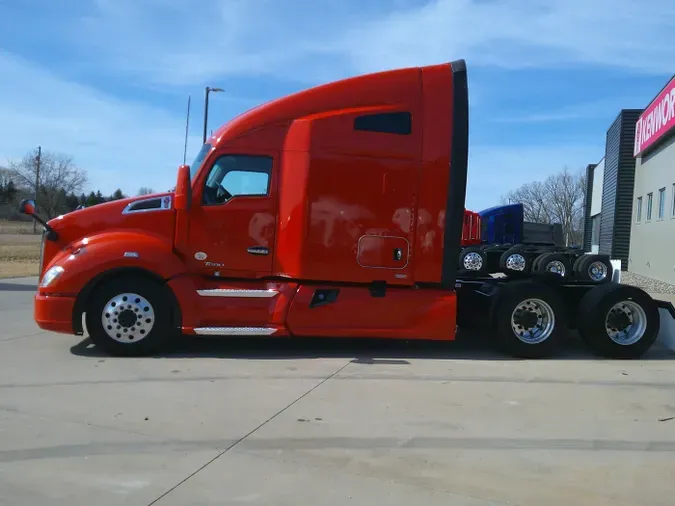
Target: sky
107 81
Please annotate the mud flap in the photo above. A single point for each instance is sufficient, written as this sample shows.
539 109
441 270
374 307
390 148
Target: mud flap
666 334
616 271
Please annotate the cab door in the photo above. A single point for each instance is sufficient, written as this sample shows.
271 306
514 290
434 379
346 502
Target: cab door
232 226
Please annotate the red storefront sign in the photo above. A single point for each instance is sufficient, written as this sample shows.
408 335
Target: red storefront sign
657 119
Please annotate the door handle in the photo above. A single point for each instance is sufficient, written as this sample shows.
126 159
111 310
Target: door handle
398 254
258 250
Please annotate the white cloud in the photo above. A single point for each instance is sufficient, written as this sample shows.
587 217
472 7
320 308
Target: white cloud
178 42
520 33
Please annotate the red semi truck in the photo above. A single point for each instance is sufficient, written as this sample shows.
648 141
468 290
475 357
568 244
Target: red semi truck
337 211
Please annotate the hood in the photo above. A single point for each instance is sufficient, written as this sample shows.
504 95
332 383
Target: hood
152 213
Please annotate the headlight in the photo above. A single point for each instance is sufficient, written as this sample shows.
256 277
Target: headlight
51 275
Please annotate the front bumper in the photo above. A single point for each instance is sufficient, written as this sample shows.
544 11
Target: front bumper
54 313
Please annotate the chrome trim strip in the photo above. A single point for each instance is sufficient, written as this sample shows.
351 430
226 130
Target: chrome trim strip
234 331
232 292
258 250
165 203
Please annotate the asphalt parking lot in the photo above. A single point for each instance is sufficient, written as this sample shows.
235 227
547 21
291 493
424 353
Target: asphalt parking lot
326 423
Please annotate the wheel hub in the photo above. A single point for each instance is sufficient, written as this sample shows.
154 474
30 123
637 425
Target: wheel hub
626 323
597 271
473 261
533 321
619 320
515 262
128 317
525 318
556 267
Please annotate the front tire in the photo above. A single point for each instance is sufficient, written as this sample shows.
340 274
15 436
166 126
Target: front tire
129 316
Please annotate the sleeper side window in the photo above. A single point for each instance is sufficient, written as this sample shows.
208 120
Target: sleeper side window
237 176
399 123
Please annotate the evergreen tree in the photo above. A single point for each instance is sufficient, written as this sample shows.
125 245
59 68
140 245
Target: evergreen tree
117 195
91 200
72 201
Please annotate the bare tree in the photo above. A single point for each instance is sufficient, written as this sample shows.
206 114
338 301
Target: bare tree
59 176
558 199
533 196
144 190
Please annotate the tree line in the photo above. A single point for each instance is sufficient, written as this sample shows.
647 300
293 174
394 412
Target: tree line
558 199
60 185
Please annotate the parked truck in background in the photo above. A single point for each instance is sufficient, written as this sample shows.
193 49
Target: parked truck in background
498 239
337 211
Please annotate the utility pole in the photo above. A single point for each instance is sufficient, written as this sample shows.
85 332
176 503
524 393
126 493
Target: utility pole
187 125
37 183
206 107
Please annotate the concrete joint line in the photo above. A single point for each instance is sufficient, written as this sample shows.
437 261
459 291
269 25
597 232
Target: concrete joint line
248 434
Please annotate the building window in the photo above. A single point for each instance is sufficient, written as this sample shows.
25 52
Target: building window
638 211
650 198
662 203
389 123
672 212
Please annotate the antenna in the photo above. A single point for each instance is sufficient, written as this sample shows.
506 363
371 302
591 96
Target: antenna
187 125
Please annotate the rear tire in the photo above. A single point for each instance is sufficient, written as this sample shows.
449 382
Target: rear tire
529 319
556 263
590 267
473 261
618 321
516 261
129 316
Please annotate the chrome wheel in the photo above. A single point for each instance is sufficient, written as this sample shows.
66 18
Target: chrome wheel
516 262
473 261
597 271
626 323
128 318
556 267
533 321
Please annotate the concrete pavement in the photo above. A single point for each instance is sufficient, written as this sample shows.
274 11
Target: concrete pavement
325 423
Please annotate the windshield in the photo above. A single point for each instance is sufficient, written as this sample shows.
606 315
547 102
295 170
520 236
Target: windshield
199 159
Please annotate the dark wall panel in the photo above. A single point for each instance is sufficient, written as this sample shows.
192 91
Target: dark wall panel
609 187
617 188
588 197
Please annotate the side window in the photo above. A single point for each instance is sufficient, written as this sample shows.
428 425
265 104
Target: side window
399 123
237 175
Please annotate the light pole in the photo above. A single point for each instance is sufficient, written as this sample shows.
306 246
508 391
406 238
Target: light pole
206 107
187 126
38 159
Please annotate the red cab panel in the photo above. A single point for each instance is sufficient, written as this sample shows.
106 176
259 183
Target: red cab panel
346 311
238 304
437 88
232 229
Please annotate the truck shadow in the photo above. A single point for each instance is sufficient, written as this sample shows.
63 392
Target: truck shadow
468 346
17 287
